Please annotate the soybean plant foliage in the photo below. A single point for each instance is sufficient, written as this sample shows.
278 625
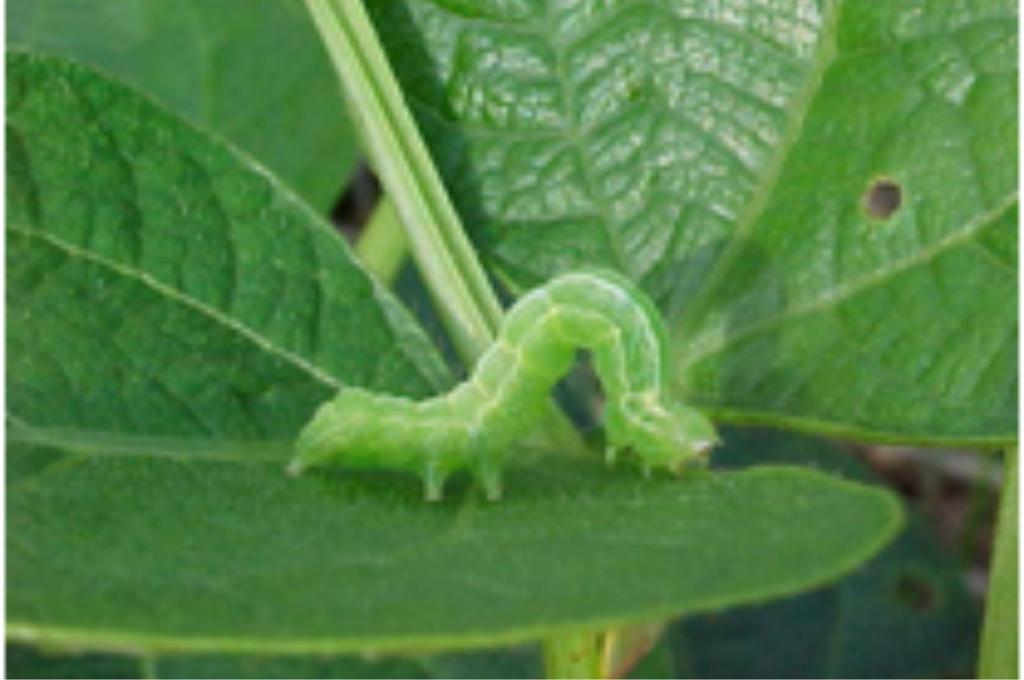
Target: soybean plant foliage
820 198
474 426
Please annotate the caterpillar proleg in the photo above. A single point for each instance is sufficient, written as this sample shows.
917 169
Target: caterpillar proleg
472 426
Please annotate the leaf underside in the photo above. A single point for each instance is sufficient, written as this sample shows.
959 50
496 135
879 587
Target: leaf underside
724 156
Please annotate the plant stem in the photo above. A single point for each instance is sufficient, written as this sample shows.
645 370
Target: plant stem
382 247
573 655
463 296
625 647
999 634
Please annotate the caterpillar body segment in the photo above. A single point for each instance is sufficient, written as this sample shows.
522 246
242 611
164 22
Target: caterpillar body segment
472 426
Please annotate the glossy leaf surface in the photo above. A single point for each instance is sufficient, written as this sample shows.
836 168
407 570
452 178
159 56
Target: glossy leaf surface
821 194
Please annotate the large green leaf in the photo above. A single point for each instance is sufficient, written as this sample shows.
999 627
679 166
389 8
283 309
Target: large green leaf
903 614
160 284
722 154
173 551
900 328
253 71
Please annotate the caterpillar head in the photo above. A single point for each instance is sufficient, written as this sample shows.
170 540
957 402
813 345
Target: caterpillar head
693 434
673 436
340 428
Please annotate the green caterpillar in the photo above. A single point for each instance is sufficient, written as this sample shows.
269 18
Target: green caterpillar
473 425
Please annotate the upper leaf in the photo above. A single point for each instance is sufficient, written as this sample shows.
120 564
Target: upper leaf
251 71
158 283
723 154
831 312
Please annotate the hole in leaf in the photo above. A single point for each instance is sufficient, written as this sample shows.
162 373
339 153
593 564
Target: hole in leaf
916 592
883 198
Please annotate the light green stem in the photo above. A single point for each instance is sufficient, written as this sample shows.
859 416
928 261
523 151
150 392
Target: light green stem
624 647
999 651
382 247
574 655
463 295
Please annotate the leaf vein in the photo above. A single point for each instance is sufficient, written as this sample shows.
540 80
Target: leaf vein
181 298
835 295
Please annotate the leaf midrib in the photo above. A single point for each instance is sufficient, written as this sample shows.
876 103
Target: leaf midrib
834 296
96 443
830 428
800 107
174 295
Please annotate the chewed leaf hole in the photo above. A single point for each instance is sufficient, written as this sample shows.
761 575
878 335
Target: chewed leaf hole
883 198
916 592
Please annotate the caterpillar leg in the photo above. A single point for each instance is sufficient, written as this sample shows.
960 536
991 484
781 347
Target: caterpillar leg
616 433
433 482
661 434
488 471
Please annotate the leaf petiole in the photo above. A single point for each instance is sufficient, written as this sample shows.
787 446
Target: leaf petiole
464 298
382 247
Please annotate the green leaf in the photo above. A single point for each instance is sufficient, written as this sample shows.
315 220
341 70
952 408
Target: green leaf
161 285
822 316
171 552
252 71
722 155
904 614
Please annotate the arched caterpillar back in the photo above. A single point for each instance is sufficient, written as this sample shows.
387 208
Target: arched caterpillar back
472 426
